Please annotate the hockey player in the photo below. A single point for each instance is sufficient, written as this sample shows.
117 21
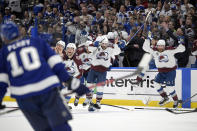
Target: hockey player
83 53
73 64
166 64
101 61
33 72
59 48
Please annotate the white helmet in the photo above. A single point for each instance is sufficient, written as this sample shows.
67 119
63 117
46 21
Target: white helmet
104 39
124 35
161 42
71 45
110 35
99 38
62 43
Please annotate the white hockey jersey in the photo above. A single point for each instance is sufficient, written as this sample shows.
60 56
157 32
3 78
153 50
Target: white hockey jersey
164 61
102 59
85 57
73 65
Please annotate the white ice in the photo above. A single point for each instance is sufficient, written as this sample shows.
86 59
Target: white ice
111 119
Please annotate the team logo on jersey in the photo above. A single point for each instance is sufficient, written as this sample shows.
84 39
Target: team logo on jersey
163 58
87 61
102 55
71 69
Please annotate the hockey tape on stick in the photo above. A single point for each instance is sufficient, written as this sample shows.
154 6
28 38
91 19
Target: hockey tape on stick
139 28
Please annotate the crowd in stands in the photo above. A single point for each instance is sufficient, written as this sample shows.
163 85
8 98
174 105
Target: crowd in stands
74 21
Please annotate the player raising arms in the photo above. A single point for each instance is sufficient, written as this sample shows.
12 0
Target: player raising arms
33 71
166 64
101 61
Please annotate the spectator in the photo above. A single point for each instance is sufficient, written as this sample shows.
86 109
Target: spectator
194 52
166 11
130 25
85 15
7 16
134 51
121 15
27 20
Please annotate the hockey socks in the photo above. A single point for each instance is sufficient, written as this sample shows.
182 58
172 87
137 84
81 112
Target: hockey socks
164 96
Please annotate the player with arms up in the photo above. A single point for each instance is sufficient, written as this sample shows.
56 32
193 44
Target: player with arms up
166 64
33 71
102 57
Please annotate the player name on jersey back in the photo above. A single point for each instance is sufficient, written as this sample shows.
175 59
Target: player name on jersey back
18 44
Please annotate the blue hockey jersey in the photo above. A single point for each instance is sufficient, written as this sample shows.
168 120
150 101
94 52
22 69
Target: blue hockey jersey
30 67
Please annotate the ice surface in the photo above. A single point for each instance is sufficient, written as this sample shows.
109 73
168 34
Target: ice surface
111 119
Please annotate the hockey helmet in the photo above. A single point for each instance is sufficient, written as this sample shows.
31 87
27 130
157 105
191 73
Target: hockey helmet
9 31
71 45
161 42
104 39
62 43
99 38
124 35
110 35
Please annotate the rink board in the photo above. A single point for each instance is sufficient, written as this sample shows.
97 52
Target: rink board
124 92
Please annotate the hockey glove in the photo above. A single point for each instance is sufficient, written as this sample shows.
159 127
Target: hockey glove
75 85
96 44
122 44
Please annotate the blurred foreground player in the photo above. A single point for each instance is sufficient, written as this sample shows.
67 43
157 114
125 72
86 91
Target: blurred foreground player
166 64
33 71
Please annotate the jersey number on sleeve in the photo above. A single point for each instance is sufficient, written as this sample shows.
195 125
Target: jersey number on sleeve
29 58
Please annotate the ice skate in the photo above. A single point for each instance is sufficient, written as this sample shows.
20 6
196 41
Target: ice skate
97 105
176 104
76 102
164 101
91 107
70 107
86 102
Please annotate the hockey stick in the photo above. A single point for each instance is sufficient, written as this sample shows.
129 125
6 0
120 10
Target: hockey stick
183 102
9 111
117 106
139 28
111 80
188 99
181 111
173 110
143 64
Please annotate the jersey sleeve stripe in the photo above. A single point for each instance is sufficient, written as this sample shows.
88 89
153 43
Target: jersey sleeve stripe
35 87
53 60
4 78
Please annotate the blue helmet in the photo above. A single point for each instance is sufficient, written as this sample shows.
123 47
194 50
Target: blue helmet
9 31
